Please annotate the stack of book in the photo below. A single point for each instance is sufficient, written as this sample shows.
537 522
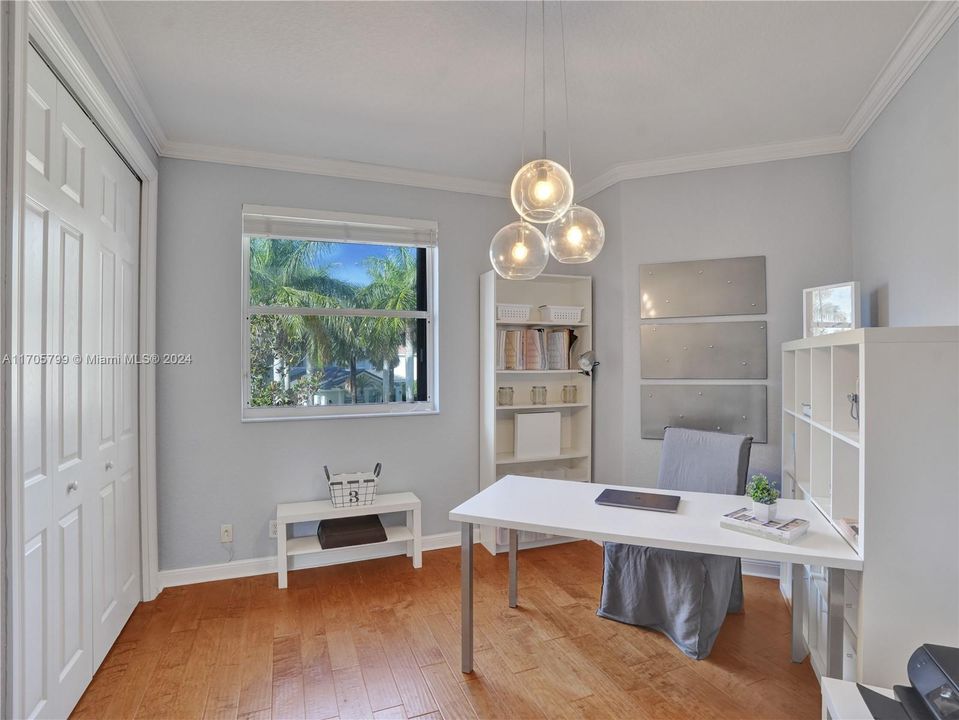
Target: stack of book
785 531
535 349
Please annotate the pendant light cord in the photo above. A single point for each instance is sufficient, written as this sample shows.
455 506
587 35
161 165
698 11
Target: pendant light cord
525 53
569 137
543 20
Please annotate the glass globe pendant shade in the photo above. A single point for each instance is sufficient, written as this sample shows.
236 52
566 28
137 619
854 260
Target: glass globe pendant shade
577 237
542 191
519 251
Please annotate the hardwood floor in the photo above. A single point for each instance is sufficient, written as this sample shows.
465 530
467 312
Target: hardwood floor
380 640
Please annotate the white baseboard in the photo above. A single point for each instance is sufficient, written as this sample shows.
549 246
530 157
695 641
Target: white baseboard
266 565
761 568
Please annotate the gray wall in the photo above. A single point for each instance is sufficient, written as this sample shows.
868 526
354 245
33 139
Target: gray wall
214 469
607 327
905 199
795 212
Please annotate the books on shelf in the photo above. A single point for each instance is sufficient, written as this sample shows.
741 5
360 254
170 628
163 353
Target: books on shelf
534 349
849 528
559 345
535 345
785 531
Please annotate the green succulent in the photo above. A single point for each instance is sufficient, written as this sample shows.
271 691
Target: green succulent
761 490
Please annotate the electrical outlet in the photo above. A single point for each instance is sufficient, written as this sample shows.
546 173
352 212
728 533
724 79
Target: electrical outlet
226 533
272 528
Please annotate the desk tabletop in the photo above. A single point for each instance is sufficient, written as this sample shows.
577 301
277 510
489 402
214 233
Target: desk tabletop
563 507
843 700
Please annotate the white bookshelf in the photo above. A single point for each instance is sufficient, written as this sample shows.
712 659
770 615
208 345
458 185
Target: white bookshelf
496 422
895 472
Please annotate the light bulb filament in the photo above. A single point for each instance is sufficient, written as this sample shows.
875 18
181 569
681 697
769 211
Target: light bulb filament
543 190
520 251
575 235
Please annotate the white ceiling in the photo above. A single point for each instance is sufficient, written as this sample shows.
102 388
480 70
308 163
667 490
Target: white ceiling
437 87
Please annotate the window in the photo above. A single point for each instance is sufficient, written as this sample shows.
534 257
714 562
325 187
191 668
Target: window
338 315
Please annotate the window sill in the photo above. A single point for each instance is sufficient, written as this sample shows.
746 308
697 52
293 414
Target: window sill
247 418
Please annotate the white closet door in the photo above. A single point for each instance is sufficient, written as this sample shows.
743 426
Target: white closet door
114 417
79 539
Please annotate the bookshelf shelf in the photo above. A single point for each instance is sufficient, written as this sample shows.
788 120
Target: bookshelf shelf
902 377
566 454
497 422
850 437
539 323
547 406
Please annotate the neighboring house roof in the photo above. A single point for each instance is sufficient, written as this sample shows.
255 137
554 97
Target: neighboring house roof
337 378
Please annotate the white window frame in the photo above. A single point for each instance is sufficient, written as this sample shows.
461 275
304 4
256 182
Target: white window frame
430 406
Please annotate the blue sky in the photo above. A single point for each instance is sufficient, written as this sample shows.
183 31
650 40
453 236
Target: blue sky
345 261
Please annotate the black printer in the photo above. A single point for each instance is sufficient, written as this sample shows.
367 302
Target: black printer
933 671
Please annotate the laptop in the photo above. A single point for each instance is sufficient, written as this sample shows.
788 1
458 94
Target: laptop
638 500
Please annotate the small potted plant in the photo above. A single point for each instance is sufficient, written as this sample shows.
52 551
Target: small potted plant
764 497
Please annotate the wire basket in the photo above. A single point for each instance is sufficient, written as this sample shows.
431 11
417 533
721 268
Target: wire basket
560 313
347 489
512 312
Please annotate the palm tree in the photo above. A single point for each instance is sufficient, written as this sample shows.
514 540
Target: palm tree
289 273
392 287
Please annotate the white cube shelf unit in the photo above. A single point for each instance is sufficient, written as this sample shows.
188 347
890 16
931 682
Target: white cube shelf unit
497 422
894 473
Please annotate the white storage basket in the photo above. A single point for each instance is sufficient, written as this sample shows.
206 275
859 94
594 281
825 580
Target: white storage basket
348 489
513 312
560 313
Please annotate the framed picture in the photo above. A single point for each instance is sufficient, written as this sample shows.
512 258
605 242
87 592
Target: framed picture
830 309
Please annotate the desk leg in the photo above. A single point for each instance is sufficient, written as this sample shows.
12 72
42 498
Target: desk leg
799 651
513 548
281 557
466 603
835 586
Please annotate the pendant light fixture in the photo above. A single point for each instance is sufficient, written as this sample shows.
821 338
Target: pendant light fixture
519 251
542 192
577 237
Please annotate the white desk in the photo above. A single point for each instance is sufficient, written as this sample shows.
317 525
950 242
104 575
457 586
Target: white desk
566 508
841 700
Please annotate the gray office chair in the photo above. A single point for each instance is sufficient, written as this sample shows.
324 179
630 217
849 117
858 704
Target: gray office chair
684 595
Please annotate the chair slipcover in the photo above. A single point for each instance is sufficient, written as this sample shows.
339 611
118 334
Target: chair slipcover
684 595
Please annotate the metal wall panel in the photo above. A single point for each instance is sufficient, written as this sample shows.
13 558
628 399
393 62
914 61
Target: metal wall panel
737 409
722 350
698 288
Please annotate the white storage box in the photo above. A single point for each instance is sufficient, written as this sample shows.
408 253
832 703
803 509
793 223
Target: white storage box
560 313
512 312
536 435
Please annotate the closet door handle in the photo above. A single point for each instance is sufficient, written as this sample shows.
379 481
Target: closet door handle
109 465
73 486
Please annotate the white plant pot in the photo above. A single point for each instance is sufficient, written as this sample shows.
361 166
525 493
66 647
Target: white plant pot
764 512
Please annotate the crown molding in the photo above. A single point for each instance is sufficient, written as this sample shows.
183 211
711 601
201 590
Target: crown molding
932 23
98 28
927 29
711 160
347 169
